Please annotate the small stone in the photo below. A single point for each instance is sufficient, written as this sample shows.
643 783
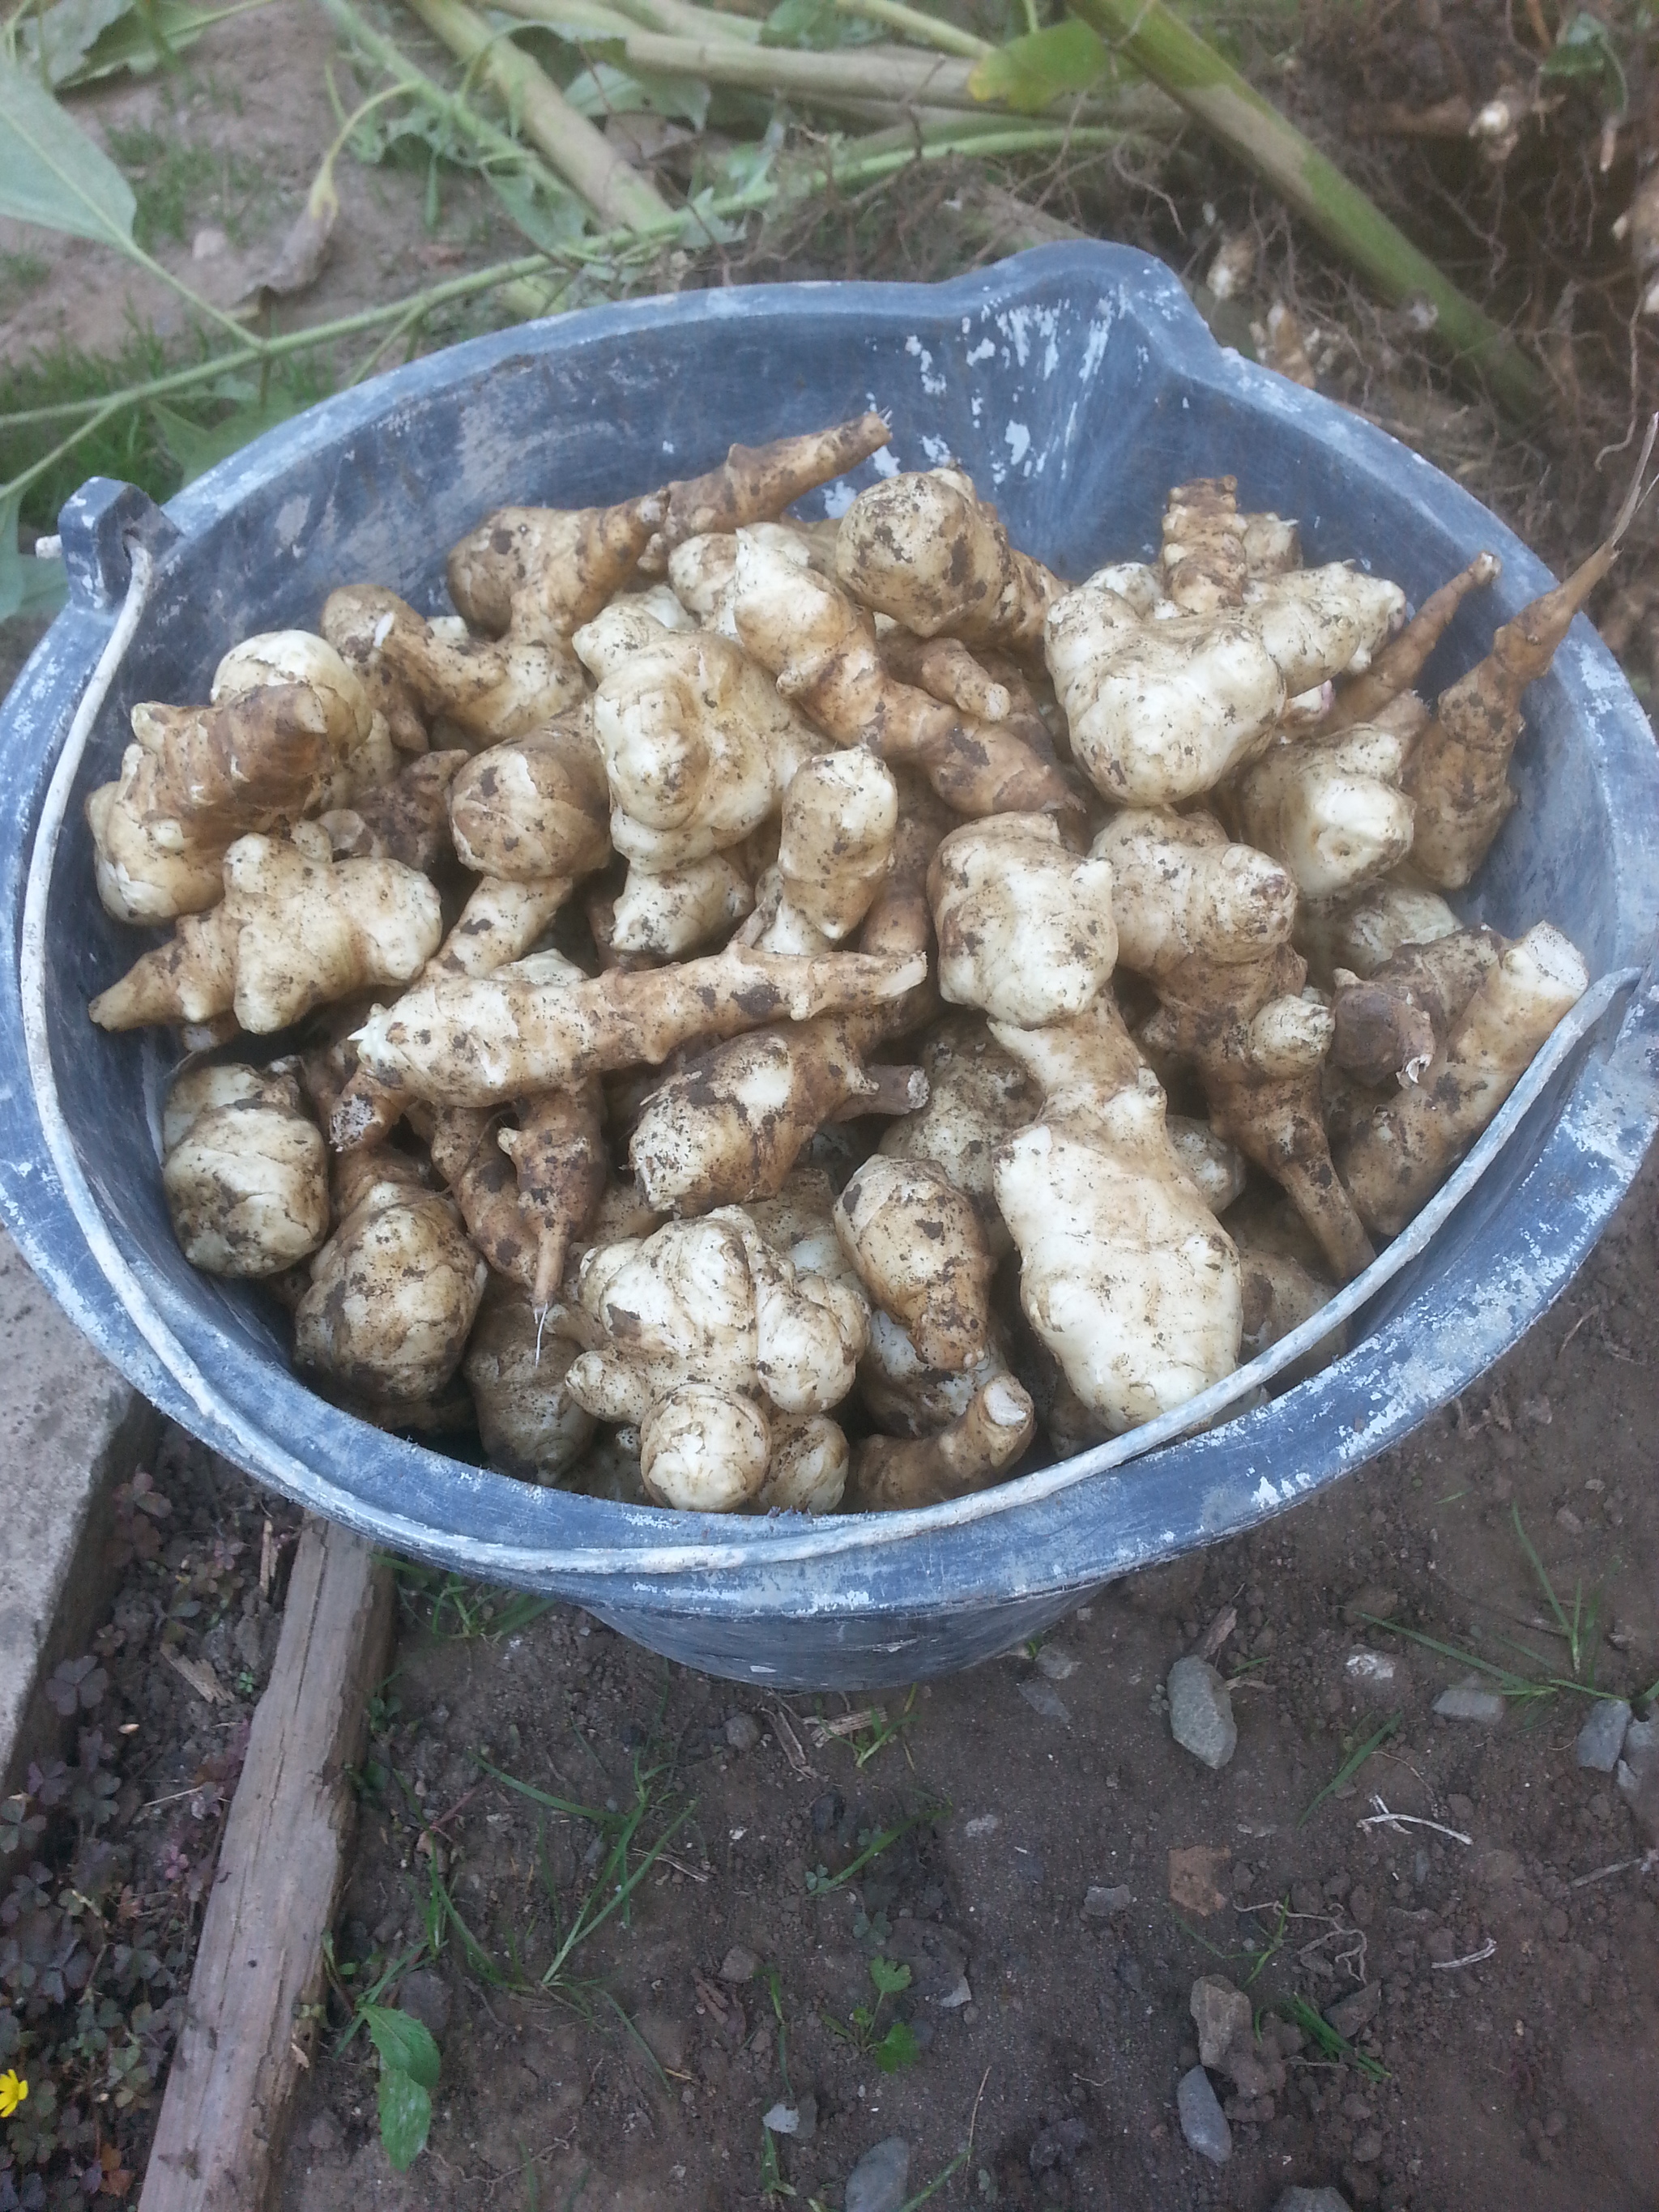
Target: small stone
1057 2145
1203 2123
322 2134
742 1731
1350 2013
1567 1519
806 2119
1042 1700
782 2120
877 2182
1368 2148
1639 1774
208 243
1602 1736
827 1810
1201 1714
1194 1878
1468 1701
1056 1662
1374 1600
739 1964
424 1997
984 1824
1221 2015
1312 2200
1101 1903
1374 1674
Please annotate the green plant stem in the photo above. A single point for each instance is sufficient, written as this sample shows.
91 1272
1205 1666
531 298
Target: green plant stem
691 21
1149 35
581 155
926 30
863 162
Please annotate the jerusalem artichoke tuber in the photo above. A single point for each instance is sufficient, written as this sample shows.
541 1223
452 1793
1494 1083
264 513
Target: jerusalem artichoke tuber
1025 927
1329 808
921 1254
489 688
542 572
534 807
926 550
244 1171
978 1095
528 1423
978 1449
1401 662
1388 1024
756 484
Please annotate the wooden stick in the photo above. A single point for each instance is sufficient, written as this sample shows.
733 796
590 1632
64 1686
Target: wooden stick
219 2142
583 156
1148 34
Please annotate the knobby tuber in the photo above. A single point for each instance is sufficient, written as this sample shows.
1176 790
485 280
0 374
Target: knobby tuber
927 551
978 1449
528 1422
921 1254
244 1171
1025 927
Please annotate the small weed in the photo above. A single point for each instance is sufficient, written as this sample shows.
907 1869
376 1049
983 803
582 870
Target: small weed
897 2047
460 1610
409 2075
1325 2039
882 1732
178 183
22 273
1579 1631
820 1881
1350 1766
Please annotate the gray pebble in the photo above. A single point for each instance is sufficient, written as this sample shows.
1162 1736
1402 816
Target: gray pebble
1202 2120
1057 1663
1466 1701
1602 1736
1202 1712
1101 1903
877 2182
742 1731
1350 2013
740 1963
1312 2200
1042 1700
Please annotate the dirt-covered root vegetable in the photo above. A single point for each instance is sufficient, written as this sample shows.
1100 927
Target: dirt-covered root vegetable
189 979
821 647
1279 1294
535 807
713 1301
1361 933
756 484
809 1466
1401 662
528 1423
467 1151
1217 1167
1409 1145
1160 712
1181 891
193 781
244 1171
1459 774
474 1040
840 818
360 740
894 1475
1321 624
1388 1024
697 746
559 1160
1203 557
926 550
730 1127
1078 1066
906 1397
1125 1273
489 688
1273 543
394 1295
1329 808
679 910
921 1254
542 572
944 669
499 924
978 1095
404 819
704 1449
1025 927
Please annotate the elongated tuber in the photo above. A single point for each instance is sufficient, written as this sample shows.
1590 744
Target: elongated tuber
244 1171
394 1295
756 483
528 1423
929 552
1401 662
559 1160
921 1254
542 572
471 1040
1388 1024
1025 927
1203 557
978 1449
1409 1144
489 688
944 669
535 807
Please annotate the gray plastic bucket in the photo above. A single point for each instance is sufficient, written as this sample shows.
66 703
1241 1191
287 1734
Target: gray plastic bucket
1077 384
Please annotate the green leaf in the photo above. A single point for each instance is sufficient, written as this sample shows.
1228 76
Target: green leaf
897 2048
68 31
888 1977
50 173
154 32
27 587
405 2116
547 223
819 25
604 89
1030 73
197 450
402 2042
1585 49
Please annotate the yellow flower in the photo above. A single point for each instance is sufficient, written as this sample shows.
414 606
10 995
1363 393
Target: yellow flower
13 2090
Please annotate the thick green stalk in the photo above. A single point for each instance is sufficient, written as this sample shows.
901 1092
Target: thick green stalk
915 23
690 22
1148 34
582 155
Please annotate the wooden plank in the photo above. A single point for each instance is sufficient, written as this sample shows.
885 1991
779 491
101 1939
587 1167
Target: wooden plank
219 2141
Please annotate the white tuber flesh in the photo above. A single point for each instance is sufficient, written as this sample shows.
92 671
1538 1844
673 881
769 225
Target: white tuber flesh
1025 927
978 1449
244 1171
528 1423
1410 1144
473 1041
921 1254
1330 809
704 1450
